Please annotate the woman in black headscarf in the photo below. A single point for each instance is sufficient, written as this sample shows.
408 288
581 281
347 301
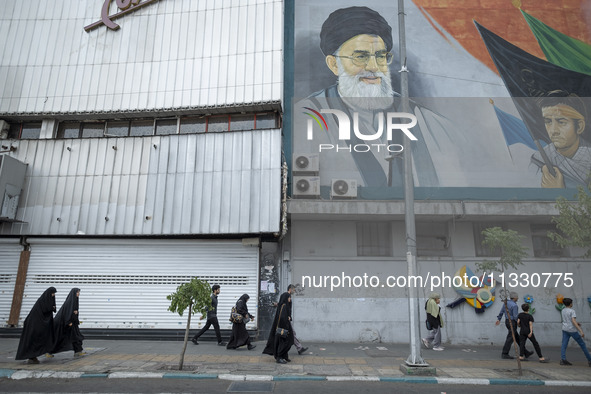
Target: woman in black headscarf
277 345
37 336
65 323
239 335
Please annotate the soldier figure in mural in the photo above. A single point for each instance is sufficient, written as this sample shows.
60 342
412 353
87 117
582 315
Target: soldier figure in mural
564 118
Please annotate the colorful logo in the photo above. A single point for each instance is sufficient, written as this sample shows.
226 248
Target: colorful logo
316 118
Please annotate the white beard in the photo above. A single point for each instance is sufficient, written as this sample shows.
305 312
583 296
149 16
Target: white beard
365 96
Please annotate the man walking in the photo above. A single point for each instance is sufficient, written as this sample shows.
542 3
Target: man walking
212 317
300 348
511 323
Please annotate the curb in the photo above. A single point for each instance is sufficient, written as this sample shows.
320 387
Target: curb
25 374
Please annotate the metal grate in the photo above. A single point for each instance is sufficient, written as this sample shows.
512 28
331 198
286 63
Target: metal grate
133 279
7 278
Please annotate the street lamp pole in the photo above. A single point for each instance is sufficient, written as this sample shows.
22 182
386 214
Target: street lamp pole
415 358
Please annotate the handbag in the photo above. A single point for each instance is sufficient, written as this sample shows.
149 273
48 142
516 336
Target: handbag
427 323
235 317
282 332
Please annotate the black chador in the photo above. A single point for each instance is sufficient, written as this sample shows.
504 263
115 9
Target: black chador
37 336
278 346
239 335
66 325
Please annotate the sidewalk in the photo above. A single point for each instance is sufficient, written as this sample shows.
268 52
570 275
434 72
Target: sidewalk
323 361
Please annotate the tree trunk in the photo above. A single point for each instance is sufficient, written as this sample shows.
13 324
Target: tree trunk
182 359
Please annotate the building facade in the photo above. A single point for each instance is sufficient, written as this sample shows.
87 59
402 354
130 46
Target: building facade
147 142
347 243
150 134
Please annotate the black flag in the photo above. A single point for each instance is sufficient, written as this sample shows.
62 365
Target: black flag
527 76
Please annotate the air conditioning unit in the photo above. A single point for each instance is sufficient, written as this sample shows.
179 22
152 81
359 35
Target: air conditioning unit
306 163
306 186
12 179
343 188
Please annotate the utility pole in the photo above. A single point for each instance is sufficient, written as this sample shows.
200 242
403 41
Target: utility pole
415 358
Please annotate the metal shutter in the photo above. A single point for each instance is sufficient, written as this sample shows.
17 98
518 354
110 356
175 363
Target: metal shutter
10 252
124 283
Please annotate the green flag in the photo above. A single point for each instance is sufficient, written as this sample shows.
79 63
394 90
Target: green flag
560 49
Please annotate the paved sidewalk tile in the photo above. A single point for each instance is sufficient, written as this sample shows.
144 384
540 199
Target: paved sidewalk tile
334 361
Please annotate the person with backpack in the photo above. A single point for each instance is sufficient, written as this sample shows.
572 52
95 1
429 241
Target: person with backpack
434 321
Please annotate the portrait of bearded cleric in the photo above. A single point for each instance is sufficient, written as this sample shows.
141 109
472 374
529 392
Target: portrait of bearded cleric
357 50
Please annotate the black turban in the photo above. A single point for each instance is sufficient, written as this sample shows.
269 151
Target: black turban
346 23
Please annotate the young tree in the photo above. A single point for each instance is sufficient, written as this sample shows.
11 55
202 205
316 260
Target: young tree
574 221
194 295
511 252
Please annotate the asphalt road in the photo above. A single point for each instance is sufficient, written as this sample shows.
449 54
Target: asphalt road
104 385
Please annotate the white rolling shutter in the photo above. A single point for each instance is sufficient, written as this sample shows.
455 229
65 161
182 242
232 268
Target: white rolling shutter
124 283
10 252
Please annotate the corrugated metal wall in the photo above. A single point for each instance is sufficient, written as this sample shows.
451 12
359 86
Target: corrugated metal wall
172 54
215 183
124 283
10 252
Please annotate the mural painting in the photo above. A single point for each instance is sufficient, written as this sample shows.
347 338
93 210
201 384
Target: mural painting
492 105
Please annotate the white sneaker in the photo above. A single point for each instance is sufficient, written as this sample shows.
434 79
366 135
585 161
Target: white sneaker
426 343
438 348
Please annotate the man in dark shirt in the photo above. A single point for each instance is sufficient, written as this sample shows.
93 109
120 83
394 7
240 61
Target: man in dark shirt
212 318
510 322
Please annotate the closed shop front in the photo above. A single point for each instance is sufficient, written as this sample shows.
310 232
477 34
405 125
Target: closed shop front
10 252
124 282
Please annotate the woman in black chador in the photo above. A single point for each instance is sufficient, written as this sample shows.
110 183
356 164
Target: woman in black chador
65 323
279 346
239 335
37 336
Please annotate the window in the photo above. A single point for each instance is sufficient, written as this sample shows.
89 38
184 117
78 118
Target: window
117 128
217 123
193 125
241 122
481 250
93 129
266 121
25 130
166 126
68 130
433 239
374 239
543 245
141 128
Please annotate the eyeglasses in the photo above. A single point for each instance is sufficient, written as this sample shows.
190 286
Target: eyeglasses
361 59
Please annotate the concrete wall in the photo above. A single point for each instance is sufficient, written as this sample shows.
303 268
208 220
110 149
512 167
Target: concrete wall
369 311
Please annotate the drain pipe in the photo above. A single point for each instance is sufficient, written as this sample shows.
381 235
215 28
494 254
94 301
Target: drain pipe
19 285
